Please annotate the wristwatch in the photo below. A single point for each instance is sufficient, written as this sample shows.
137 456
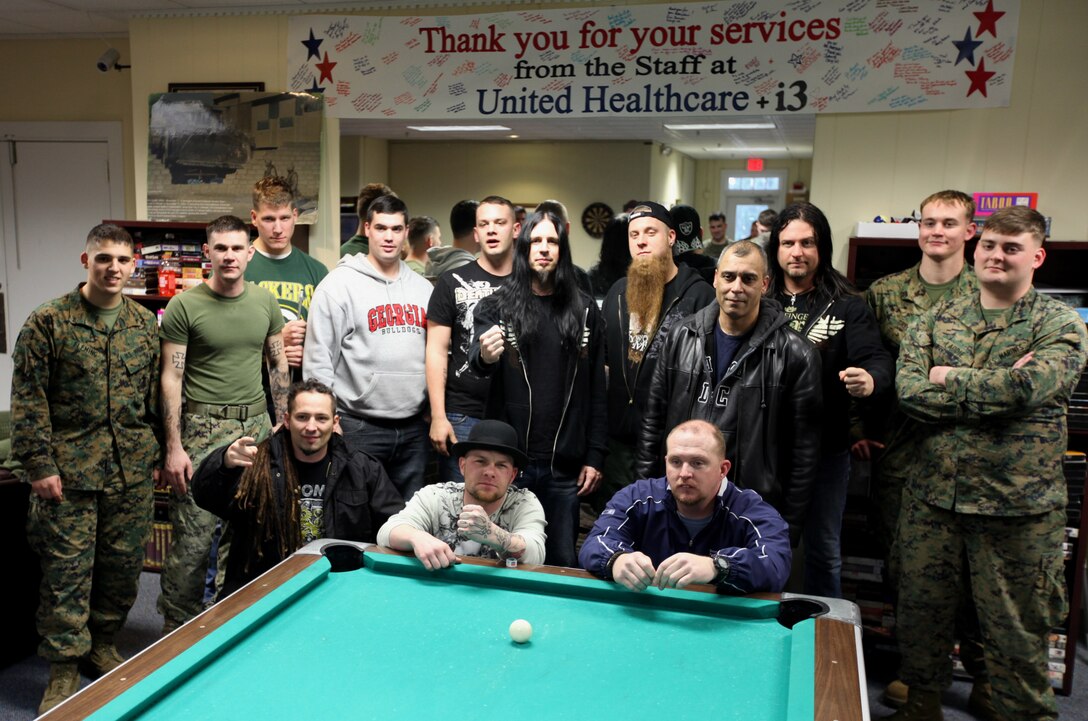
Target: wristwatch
721 567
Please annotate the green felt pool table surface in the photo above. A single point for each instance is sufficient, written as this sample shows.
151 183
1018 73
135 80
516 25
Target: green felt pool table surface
394 641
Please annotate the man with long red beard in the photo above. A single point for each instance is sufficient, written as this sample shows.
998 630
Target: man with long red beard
638 312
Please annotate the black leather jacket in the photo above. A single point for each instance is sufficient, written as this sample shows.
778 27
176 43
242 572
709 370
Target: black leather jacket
768 406
358 498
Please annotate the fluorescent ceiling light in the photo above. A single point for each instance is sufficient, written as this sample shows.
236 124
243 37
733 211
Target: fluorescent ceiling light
720 126
459 128
749 151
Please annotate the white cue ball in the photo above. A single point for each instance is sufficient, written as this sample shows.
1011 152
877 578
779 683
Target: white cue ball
521 631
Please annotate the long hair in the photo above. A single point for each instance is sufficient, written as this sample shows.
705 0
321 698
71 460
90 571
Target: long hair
615 256
516 295
829 283
275 520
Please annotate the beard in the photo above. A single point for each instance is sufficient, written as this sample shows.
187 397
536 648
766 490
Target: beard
544 278
646 280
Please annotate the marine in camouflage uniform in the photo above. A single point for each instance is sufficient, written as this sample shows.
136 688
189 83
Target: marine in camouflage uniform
988 489
85 428
897 300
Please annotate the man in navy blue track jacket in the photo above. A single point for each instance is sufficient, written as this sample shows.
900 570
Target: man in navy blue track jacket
692 526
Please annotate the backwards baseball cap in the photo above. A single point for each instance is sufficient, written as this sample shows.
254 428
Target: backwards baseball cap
686 221
650 209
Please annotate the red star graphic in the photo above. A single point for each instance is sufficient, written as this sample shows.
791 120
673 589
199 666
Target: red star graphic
987 20
979 78
326 69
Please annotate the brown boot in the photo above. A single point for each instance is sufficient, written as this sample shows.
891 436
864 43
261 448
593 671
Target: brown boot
920 706
895 694
981 701
63 682
103 658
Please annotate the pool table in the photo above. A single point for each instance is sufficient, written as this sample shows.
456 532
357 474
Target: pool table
390 640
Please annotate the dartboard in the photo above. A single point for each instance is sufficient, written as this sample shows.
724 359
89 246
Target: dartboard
595 218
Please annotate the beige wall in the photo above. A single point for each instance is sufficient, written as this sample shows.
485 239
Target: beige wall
362 160
432 176
672 178
885 163
56 80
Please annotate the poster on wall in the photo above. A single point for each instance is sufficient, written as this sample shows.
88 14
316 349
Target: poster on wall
709 58
206 150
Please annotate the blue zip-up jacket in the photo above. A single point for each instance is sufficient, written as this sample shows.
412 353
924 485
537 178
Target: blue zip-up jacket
745 528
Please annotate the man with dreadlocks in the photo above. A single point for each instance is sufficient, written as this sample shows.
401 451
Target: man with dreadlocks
638 312
300 484
550 386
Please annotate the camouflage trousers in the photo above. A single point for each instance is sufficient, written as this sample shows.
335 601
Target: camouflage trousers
91 547
1016 573
186 565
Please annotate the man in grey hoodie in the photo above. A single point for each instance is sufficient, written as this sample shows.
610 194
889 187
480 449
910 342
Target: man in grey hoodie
366 339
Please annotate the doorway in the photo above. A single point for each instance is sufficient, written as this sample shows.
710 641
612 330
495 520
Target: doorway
746 194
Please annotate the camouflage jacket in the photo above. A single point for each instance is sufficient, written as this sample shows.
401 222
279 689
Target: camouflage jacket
991 440
897 300
79 389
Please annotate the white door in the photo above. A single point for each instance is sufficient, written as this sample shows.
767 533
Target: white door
747 193
52 192
743 210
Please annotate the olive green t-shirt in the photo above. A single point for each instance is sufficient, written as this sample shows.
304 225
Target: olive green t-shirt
225 340
291 280
108 316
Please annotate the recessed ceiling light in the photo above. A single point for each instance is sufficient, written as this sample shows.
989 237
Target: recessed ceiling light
720 126
459 128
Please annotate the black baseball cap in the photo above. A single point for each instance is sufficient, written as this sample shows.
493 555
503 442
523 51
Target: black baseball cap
650 209
687 224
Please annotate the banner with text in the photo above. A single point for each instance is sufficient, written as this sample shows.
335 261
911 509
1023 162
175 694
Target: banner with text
713 58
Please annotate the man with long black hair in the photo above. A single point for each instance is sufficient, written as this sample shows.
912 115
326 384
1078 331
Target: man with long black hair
541 341
822 305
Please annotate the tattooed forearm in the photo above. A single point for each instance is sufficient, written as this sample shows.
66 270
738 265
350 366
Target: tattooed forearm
178 359
278 382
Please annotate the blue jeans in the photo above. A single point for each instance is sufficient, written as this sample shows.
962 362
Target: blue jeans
400 445
823 527
448 468
559 496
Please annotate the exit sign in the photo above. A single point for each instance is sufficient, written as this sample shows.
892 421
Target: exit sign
755 165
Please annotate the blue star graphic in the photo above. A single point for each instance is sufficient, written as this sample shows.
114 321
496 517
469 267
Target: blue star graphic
315 88
313 44
966 48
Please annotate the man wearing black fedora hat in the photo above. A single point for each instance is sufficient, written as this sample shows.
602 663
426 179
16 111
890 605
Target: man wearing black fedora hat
485 516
